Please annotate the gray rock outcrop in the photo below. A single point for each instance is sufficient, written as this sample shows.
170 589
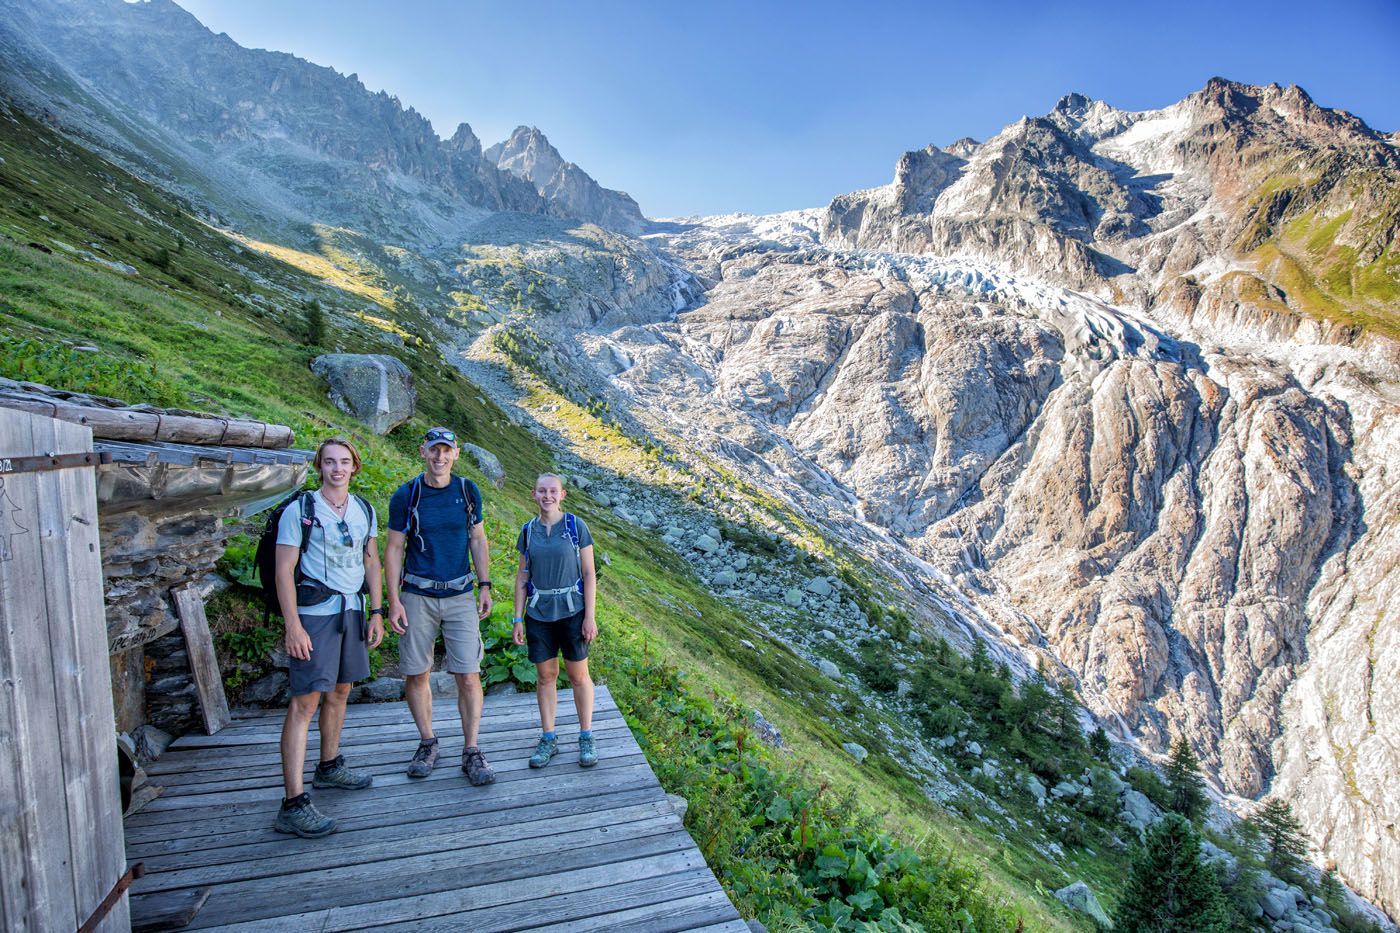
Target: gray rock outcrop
1079 896
487 462
376 389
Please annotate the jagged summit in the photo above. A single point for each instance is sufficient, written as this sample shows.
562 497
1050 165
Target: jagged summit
570 191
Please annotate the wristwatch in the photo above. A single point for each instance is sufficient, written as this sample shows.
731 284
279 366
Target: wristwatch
377 611
481 583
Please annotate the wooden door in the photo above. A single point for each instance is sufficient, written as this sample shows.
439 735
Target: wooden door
61 846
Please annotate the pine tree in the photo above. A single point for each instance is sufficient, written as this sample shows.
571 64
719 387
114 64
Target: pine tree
1170 889
1281 836
1100 746
1184 782
315 319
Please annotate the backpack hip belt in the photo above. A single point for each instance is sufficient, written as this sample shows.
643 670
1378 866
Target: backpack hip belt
570 591
461 583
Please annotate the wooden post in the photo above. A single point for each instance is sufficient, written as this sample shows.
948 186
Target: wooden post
61 839
213 705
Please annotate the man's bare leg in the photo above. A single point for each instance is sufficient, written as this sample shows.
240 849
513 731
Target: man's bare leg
469 703
333 720
420 703
295 729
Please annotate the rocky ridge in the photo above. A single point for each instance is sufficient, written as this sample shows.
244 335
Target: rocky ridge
291 142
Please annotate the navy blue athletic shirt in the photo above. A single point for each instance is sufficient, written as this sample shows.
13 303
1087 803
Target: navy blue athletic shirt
443 552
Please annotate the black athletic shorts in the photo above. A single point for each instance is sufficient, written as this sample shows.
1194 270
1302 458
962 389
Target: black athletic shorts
547 639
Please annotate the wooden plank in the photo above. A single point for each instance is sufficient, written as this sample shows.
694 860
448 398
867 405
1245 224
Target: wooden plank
209 847
602 700
430 838
392 787
380 759
36 882
560 906
730 926
213 705
685 913
521 893
73 589
163 856
361 733
166 910
442 871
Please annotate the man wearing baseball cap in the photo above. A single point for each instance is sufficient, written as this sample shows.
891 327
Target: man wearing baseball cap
437 554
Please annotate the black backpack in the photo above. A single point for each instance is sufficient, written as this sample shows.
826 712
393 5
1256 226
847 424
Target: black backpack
309 591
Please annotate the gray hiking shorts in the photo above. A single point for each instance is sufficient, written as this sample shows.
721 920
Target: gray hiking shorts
456 617
339 653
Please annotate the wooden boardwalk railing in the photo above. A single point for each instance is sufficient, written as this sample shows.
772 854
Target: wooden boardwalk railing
559 847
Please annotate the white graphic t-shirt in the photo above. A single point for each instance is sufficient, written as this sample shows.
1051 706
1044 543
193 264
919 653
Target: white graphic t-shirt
334 552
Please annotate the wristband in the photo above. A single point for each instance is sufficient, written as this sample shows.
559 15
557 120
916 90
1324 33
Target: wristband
377 611
483 583
518 620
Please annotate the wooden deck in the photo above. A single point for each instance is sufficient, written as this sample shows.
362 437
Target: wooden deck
559 847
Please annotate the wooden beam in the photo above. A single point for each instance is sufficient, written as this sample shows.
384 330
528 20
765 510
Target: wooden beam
213 705
147 424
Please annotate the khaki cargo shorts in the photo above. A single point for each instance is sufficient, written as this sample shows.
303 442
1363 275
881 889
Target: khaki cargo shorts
455 617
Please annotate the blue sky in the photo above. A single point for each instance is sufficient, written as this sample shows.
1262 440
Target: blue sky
762 106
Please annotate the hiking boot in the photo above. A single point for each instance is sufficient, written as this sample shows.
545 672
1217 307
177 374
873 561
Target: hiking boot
476 768
423 760
303 819
334 774
544 750
587 752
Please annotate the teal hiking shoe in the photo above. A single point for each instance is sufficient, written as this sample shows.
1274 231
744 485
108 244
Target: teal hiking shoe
587 752
544 750
334 773
301 818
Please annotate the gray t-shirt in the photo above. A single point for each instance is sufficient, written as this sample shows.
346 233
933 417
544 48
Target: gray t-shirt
552 565
328 558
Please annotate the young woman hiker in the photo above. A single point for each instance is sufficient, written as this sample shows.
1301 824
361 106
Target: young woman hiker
554 612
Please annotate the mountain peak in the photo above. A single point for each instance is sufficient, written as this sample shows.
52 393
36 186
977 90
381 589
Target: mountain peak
1073 102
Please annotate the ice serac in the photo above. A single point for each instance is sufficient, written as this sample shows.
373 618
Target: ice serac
568 189
1130 381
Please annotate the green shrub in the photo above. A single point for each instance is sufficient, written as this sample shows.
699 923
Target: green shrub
787 849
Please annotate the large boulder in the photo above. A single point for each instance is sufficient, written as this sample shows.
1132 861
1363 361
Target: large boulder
488 463
1080 897
1137 811
376 389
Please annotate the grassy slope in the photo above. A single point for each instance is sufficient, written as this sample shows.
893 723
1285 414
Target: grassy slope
211 324
1335 258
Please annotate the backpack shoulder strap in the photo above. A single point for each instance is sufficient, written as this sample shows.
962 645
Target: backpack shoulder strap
571 527
467 500
365 507
308 518
415 492
525 535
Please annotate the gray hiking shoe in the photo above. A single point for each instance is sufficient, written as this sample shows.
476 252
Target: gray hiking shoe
303 819
544 750
475 766
423 760
587 752
334 774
